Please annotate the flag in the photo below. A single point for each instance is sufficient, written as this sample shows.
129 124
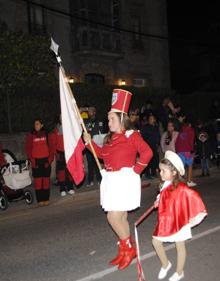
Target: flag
72 130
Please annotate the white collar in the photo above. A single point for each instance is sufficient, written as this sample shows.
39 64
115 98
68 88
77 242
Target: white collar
165 185
128 133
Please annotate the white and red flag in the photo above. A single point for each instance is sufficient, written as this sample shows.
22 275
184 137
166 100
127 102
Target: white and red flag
72 130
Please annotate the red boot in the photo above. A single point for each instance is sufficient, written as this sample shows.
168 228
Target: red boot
129 253
120 255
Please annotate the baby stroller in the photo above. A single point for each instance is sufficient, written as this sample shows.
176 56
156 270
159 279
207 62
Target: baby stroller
14 178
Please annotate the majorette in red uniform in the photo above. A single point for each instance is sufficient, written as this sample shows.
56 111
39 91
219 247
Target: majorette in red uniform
121 184
179 209
39 150
64 178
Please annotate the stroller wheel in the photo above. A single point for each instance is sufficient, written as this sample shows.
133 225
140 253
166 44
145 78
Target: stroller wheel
3 201
28 196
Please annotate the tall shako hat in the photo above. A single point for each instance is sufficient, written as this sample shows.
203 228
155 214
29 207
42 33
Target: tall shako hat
120 101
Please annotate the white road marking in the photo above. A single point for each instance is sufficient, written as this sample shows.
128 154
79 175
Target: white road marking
101 274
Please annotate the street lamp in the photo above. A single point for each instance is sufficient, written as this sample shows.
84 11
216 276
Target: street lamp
122 82
70 79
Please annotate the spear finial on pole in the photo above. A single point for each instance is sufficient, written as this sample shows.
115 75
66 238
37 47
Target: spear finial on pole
54 47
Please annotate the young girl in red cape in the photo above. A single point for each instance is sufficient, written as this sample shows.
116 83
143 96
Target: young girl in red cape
179 209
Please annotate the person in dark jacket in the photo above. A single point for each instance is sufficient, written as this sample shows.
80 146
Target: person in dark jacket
39 150
204 152
94 127
151 134
217 149
167 111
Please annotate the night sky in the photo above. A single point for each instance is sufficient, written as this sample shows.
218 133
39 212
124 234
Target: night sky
197 20
194 35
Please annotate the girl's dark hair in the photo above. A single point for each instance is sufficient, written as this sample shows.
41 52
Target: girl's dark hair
169 136
126 124
177 178
38 120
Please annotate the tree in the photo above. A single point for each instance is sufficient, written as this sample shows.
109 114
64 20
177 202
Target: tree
25 61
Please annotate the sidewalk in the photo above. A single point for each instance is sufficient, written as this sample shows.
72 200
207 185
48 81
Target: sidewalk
83 190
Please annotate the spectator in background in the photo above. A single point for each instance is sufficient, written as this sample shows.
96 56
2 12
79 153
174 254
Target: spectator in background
168 139
2 158
151 135
214 111
146 111
204 152
166 111
185 148
63 176
134 117
94 127
217 150
39 150
84 112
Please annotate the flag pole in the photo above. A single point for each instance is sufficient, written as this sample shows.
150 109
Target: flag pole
140 271
54 47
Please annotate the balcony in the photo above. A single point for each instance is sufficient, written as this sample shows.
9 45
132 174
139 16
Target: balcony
87 41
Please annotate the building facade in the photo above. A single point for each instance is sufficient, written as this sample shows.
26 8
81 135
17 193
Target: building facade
101 41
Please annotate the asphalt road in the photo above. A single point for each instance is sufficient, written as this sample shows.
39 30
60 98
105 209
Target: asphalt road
70 240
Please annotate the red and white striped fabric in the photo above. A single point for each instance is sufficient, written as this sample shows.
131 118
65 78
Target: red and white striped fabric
72 130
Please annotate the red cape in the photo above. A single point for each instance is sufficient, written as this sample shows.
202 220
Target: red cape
176 208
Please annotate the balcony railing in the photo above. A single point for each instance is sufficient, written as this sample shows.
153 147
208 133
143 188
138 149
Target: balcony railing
93 39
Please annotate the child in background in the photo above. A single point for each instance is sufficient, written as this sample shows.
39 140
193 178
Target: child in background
179 209
204 152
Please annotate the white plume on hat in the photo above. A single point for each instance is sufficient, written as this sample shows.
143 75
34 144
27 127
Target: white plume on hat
176 161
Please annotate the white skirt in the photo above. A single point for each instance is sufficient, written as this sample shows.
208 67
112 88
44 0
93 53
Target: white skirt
120 190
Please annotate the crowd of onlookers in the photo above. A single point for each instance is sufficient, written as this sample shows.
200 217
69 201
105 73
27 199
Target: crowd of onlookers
166 128
163 128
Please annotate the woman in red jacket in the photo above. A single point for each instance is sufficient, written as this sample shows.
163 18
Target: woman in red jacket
39 150
121 185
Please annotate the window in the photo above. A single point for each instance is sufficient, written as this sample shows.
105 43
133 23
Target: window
136 27
36 19
115 13
94 78
95 40
106 41
139 82
84 38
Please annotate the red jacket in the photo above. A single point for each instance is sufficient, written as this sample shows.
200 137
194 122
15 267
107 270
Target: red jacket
57 142
185 139
39 145
122 152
